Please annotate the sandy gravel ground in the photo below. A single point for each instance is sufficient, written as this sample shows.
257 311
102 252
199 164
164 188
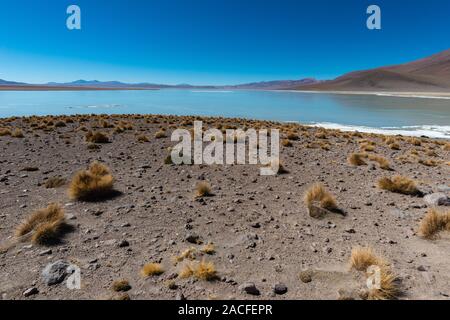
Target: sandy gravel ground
259 225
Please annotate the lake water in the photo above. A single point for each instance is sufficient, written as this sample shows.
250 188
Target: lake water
385 114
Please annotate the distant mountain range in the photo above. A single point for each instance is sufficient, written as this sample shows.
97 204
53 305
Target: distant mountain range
274 85
424 75
117 85
9 83
267 85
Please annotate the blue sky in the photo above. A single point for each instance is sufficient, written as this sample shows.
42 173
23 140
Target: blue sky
213 41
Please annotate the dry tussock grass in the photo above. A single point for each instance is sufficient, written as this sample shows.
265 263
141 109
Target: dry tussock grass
5 132
415 142
202 270
45 226
382 162
203 189
318 195
189 254
55 182
143 138
357 159
208 249
429 162
367 147
160 134
17 133
434 222
293 136
97 137
152 269
399 184
92 184
446 147
394 146
121 286
364 257
286 143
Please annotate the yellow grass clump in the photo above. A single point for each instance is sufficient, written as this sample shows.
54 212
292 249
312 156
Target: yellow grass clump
364 257
54 182
399 184
208 249
428 162
121 286
317 194
286 143
5 132
143 138
152 269
201 270
203 189
293 136
382 162
357 159
17 133
91 184
96 137
394 146
44 226
189 254
388 290
367 147
415 142
321 135
160 134
434 222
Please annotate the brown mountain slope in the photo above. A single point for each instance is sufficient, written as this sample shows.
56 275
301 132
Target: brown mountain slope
427 75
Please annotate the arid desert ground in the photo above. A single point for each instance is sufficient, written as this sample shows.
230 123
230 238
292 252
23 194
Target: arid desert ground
149 229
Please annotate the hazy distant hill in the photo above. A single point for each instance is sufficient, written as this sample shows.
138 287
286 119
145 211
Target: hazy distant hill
274 85
428 74
105 85
9 83
268 85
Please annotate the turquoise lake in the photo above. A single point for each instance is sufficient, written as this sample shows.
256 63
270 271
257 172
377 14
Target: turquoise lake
414 116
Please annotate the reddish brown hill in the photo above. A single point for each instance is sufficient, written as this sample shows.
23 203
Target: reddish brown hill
428 74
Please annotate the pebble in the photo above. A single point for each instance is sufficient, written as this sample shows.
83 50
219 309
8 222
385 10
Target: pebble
180 296
30 292
280 288
192 238
249 288
443 188
421 268
123 244
45 252
437 199
55 273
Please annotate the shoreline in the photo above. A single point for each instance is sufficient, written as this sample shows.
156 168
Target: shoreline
426 131
397 94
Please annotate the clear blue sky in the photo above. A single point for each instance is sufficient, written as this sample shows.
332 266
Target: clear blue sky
213 41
